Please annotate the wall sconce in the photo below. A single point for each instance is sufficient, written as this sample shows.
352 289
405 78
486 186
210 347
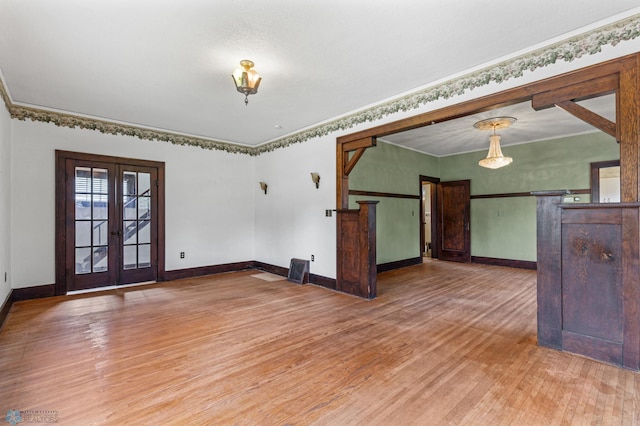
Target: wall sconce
263 186
315 177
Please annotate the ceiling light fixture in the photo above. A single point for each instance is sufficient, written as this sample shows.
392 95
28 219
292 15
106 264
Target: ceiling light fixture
495 159
246 79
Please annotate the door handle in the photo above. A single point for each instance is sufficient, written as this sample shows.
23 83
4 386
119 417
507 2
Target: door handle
115 233
466 226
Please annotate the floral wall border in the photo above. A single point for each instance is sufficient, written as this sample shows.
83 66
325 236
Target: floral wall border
588 43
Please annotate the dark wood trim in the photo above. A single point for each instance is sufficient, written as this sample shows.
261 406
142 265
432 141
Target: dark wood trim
49 290
272 269
529 194
549 272
6 307
26 293
61 158
507 97
590 117
628 127
322 281
579 91
521 264
346 163
208 270
390 266
249 265
383 194
36 292
353 160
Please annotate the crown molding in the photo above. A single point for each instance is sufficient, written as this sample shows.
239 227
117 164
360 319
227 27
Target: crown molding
107 127
589 43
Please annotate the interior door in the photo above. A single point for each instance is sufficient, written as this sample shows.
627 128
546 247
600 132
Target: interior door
137 227
91 225
111 225
454 232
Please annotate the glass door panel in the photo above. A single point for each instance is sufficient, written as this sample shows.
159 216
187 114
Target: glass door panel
91 220
137 223
90 212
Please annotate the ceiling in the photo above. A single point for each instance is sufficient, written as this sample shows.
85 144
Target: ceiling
458 136
166 65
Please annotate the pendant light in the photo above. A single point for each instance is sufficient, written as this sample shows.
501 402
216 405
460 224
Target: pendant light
495 159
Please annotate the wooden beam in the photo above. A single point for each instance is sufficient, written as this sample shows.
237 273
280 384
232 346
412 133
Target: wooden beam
367 142
344 165
590 117
497 100
583 90
351 162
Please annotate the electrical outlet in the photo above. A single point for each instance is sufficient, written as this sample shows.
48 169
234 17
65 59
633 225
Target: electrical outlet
181 255
313 258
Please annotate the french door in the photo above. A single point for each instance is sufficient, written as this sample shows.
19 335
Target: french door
110 220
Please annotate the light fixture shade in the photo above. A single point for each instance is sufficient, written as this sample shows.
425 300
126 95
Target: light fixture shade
315 178
246 79
495 159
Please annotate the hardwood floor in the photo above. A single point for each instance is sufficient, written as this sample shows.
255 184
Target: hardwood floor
443 343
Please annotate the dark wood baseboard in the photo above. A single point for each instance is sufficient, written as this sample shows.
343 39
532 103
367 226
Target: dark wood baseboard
48 290
320 280
522 264
243 266
4 310
384 267
206 270
27 293
272 269
36 292
329 283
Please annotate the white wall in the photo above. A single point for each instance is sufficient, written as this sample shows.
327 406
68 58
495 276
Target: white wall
290 220
216 212
5 188
209 198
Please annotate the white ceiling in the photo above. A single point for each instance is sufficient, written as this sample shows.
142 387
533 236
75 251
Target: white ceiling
167 64
458 136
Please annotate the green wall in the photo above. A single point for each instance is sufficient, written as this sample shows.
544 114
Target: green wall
389 168
505 228
502 228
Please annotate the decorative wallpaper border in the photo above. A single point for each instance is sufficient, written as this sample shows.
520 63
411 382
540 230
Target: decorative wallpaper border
585 44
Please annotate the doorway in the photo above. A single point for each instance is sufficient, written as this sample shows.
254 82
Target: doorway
109 221
428 222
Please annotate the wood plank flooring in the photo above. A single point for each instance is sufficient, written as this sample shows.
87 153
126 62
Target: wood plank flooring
443 344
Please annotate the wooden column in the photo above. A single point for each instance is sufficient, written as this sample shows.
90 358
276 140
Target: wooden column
628 120
549 268
356 257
